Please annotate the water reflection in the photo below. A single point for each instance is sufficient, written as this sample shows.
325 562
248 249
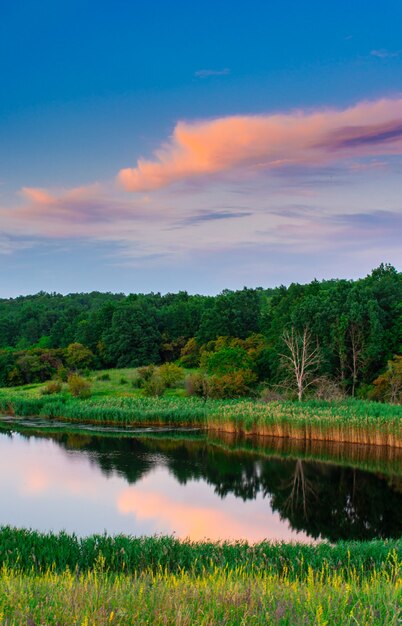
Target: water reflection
87 483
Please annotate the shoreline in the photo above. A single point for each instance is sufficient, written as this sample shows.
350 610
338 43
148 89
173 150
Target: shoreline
349 422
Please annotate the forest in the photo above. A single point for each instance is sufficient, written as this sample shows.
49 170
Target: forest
240 339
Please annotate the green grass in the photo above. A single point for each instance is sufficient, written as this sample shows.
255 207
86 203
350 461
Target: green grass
234 598
32 551
60 579
117 403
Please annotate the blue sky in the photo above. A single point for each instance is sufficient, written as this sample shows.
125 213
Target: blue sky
261 144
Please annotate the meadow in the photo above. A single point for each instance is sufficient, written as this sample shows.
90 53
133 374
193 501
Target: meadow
60 579
234 598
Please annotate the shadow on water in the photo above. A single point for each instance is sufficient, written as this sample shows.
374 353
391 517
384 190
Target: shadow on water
326 490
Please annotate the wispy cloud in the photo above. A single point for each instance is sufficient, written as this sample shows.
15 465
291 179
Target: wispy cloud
212 216
268 142
383 53
207 73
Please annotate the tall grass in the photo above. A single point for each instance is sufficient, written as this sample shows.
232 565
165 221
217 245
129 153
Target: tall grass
30 551
232 598
349 421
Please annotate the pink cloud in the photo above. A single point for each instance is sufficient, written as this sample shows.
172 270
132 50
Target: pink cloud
264 142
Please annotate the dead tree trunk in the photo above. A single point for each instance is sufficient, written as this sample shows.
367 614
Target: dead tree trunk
301 359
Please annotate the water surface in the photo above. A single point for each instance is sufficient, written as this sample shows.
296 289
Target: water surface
86 482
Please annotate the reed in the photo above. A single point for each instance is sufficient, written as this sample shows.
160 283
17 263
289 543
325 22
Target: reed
352 421
30 551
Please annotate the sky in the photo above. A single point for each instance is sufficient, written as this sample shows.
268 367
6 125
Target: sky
168 146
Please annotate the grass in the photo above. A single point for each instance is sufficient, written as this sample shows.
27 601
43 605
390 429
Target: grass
30 551
353 421
59 579
233 598
121 404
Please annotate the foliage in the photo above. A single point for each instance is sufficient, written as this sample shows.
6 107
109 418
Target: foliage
154 386
388 386
226 360
171 374
78 386
197 384
79 357
190 353
145 373
358 325
232 385
51 387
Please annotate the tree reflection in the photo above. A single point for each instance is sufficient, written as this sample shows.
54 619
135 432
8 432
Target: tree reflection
323 499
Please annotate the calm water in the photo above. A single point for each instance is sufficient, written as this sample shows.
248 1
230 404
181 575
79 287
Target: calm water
87 483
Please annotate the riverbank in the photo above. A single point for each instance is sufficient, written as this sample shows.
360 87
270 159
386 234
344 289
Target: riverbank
349 421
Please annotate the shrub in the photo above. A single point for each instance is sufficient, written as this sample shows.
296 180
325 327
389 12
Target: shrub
78 386
197 385
171 374
327 389
105 376
155 386
123 381
62 373
53 386
388 386
271 395
232 385
145 374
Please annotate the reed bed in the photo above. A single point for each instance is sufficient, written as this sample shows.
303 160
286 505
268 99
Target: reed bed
350 421
234 598
30 551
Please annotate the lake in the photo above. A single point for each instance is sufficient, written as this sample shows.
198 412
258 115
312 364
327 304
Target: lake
184 483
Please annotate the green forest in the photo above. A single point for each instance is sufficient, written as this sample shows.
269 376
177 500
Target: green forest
239 341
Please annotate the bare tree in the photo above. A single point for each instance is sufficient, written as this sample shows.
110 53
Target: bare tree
301 490
301 359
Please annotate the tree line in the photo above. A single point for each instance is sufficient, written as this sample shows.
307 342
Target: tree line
354 330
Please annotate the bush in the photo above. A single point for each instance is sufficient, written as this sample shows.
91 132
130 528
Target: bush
388 386
271 395
327 389
78 386
154 386
53 386
145 374
234 385
171 374
62 374
123 381
197 385
105 376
